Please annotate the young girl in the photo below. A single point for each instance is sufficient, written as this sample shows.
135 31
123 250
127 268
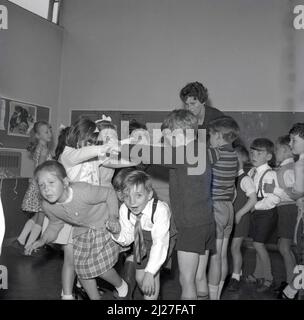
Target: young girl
81 159
39 148
87 208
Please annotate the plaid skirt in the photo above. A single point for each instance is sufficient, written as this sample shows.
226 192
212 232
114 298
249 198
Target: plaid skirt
95 253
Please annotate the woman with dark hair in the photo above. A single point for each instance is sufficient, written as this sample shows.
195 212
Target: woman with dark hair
195 97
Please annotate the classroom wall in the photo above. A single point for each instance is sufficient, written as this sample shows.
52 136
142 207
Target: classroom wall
30 56
137 55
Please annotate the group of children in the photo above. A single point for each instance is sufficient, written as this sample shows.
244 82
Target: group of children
96 222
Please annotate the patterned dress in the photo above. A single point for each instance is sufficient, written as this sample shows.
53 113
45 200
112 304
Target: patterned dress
32 199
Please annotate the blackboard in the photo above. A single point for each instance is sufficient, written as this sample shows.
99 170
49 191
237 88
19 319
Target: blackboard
269 125
19 142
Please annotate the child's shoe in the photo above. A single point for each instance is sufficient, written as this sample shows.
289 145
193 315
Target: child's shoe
265 286
282 296
281 287
233 285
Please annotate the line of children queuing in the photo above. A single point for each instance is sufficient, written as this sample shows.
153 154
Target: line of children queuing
201 205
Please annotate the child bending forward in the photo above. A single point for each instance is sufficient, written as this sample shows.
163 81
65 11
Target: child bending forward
145 221
87 208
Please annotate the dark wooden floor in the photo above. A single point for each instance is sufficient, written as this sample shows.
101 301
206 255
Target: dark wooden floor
40 278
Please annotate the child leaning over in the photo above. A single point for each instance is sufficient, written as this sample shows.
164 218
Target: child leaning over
86 208
145 221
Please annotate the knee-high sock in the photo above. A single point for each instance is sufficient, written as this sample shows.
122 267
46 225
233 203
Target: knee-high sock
26 231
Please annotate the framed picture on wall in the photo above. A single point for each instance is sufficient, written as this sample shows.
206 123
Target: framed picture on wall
21 119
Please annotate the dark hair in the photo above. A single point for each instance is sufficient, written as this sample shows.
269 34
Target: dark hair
61 142
82 130
135 125
264 143
298 129
180 119
227 126
33 139
51 166
118 179
136 178
284 140
195 90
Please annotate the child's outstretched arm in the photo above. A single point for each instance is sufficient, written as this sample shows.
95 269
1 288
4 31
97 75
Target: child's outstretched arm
49 235
71 156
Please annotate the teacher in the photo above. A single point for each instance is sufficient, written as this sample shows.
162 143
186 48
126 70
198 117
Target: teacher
194 97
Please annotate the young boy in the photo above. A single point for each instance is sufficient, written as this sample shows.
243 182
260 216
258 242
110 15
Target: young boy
145 221
190 198
287 210
243 203
263 220
297 193
223 131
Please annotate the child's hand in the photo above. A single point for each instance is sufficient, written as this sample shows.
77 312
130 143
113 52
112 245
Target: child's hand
148 284
33 247
238 217
113 226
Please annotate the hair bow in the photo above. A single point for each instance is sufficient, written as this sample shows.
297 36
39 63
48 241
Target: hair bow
61 127
104 118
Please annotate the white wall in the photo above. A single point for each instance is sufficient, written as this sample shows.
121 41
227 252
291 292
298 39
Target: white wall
137 54
30 56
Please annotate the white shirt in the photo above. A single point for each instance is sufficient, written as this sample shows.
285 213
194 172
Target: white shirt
159 232
246 184
270 200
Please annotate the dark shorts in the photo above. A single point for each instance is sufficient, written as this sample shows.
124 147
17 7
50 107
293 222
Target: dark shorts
197 239
287 219
262 225
241 230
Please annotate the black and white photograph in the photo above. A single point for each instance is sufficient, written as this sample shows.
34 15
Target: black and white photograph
152 150
21 119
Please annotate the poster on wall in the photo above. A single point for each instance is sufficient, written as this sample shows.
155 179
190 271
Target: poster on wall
21 119
2 114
